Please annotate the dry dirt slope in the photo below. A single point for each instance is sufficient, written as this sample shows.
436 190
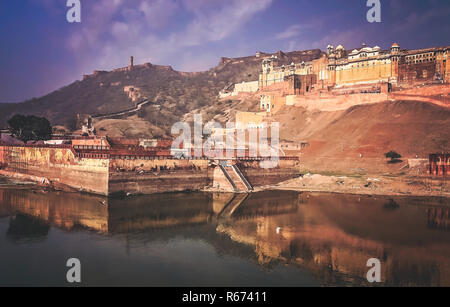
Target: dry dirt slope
339 138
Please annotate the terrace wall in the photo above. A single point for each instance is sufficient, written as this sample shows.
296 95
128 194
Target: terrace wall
137 176
258 176
60 165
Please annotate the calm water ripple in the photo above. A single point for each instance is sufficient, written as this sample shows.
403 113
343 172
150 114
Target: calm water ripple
273 238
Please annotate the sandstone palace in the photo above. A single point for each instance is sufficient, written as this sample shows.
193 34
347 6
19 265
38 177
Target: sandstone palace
365 70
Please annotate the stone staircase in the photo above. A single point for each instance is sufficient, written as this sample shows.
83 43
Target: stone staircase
236 178
242 177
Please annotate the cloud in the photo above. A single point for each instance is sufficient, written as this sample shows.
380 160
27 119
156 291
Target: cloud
217 23
157 31
348 38
290 32
159 12
307 26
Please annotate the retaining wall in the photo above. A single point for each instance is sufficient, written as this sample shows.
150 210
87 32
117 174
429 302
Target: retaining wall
59 165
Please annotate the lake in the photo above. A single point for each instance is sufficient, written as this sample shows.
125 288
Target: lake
271 238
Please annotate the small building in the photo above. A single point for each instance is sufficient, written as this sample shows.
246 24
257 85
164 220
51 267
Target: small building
91 143
55 142
291 148
155 143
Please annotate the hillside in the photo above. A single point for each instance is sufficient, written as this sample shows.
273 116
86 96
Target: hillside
337 139
172 93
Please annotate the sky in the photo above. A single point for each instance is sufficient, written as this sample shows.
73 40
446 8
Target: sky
40 51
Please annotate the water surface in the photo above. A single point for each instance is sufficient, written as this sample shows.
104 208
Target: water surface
272 238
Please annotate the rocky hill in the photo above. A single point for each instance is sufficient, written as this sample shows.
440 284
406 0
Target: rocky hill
172 93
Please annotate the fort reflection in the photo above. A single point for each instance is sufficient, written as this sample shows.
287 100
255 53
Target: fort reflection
335 235
67 211
329 235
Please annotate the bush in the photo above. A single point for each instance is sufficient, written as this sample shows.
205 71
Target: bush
394 156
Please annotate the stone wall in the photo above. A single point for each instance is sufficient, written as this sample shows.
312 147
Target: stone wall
370 71
155 165
246 87
158 176
447 71
416 73
257 176
106 176
330 102
59 165
161 182
291 85
280 88
246 118
272 103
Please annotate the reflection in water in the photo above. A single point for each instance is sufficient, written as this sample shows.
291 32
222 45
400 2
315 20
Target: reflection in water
335 235
27 228
322 237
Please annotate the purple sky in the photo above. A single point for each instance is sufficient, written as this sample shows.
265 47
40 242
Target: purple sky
40 51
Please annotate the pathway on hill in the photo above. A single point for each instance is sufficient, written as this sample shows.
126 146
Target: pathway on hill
124 112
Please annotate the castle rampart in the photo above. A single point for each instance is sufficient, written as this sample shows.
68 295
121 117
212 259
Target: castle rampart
339 78
367 65
60 165
106 171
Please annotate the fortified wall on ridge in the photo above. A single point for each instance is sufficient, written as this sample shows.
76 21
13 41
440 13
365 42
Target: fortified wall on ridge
362 75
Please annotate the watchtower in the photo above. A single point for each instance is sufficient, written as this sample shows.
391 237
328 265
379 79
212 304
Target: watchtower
131 62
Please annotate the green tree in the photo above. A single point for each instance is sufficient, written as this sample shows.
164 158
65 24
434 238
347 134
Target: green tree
30 128
393 155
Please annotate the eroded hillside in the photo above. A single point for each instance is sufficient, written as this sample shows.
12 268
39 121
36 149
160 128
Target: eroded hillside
356 139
